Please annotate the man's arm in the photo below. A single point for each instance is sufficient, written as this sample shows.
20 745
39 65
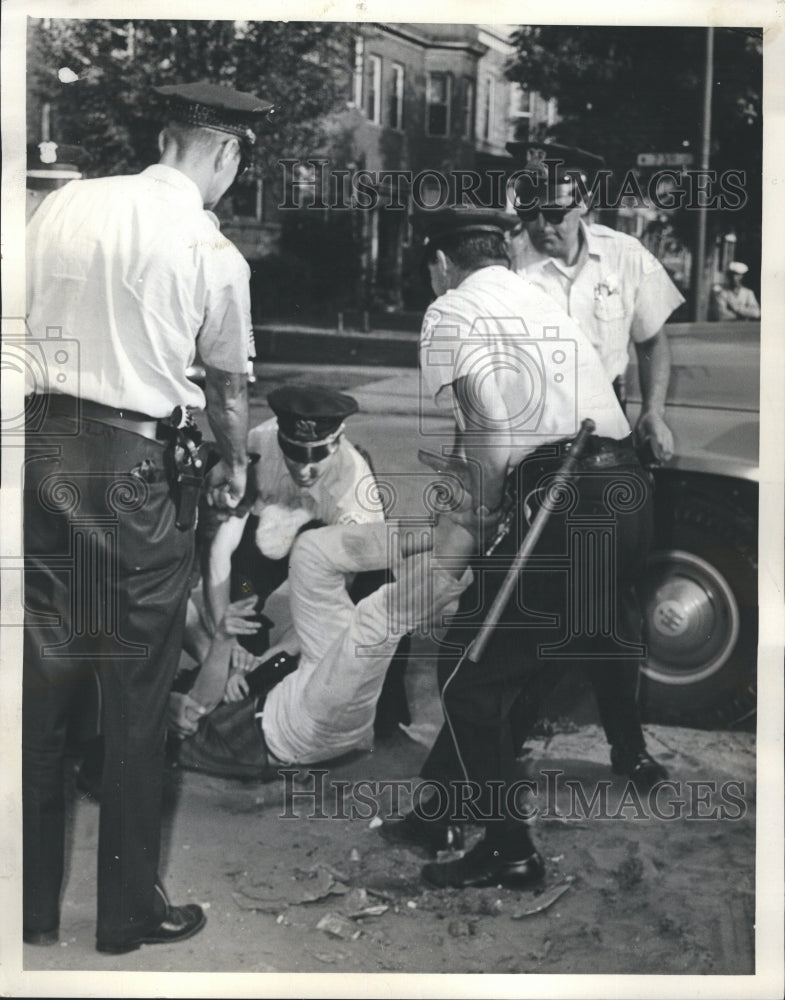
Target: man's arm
748 307
185 710
654 369
485 437
217 567
227 412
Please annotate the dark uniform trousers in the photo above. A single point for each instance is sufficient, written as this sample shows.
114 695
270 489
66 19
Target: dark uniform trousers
106 585
575 603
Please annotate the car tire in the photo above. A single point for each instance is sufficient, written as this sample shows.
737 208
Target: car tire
700 610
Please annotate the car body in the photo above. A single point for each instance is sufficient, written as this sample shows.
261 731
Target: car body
700 600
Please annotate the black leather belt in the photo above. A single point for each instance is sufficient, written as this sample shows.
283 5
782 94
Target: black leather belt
601 452
61 405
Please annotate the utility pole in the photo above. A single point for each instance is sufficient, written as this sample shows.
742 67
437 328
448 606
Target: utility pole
699 260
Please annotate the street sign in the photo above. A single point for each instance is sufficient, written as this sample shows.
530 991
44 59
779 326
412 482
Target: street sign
665 159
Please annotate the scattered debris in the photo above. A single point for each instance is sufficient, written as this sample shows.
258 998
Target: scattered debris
411 904
336 873
328 959
380 895
357 905
326 885
320 882
546 900
375 823
369 911
336 925
354 855
462 928
540 956
258 904
559 819
629 874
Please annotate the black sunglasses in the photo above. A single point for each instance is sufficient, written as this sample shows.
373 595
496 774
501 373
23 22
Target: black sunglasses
553 215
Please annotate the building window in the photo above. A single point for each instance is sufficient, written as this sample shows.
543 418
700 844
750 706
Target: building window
374 109
487 121
521 102
468 108
438 104
248 201
357 73
396 97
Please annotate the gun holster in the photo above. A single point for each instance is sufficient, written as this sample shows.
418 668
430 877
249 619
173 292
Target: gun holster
189 465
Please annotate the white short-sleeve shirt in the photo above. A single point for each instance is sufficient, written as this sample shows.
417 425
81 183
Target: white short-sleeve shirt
616 292
344 494
548 373
132 275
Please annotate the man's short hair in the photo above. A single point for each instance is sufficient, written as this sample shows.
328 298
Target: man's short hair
470 250
193 138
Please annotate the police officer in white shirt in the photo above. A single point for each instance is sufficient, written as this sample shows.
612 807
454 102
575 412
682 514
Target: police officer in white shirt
610 284
618 293
127 278
303 470
519 377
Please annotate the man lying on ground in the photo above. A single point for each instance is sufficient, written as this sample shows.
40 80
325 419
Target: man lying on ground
326 706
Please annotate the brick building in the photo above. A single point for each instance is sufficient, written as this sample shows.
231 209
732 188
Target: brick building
425 100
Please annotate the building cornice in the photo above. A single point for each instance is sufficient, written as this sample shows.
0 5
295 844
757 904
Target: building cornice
475 47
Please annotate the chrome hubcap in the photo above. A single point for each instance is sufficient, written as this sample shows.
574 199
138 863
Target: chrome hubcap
691 618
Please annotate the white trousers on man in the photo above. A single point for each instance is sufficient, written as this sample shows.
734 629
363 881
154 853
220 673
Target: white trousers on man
326 707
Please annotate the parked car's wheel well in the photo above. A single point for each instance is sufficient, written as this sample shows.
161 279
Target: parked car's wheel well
700 601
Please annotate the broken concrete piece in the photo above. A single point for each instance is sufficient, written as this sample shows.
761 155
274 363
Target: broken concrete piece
546 900
336 925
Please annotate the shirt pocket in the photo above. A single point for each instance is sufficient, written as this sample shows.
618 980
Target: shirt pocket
609 308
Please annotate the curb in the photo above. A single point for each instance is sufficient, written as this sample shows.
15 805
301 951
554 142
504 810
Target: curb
295 344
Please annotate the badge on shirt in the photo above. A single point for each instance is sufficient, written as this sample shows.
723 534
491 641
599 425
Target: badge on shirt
430 323
608 286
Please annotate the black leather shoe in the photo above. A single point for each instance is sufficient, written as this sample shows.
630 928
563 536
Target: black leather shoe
639 766
416 833
485 865
41 937
180 923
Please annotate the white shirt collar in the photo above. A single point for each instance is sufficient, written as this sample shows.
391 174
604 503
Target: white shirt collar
176 179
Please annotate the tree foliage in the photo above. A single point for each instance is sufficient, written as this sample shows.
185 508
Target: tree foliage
622 91
108 109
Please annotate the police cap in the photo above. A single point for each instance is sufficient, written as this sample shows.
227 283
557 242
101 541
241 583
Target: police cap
551 170
310 414
439 224
210 105
736 267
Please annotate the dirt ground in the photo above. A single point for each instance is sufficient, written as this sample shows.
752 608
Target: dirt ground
636 894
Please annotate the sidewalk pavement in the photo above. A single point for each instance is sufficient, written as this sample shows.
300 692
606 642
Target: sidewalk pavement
291 342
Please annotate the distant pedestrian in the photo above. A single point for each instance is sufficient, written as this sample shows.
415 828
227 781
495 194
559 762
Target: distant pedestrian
735 300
